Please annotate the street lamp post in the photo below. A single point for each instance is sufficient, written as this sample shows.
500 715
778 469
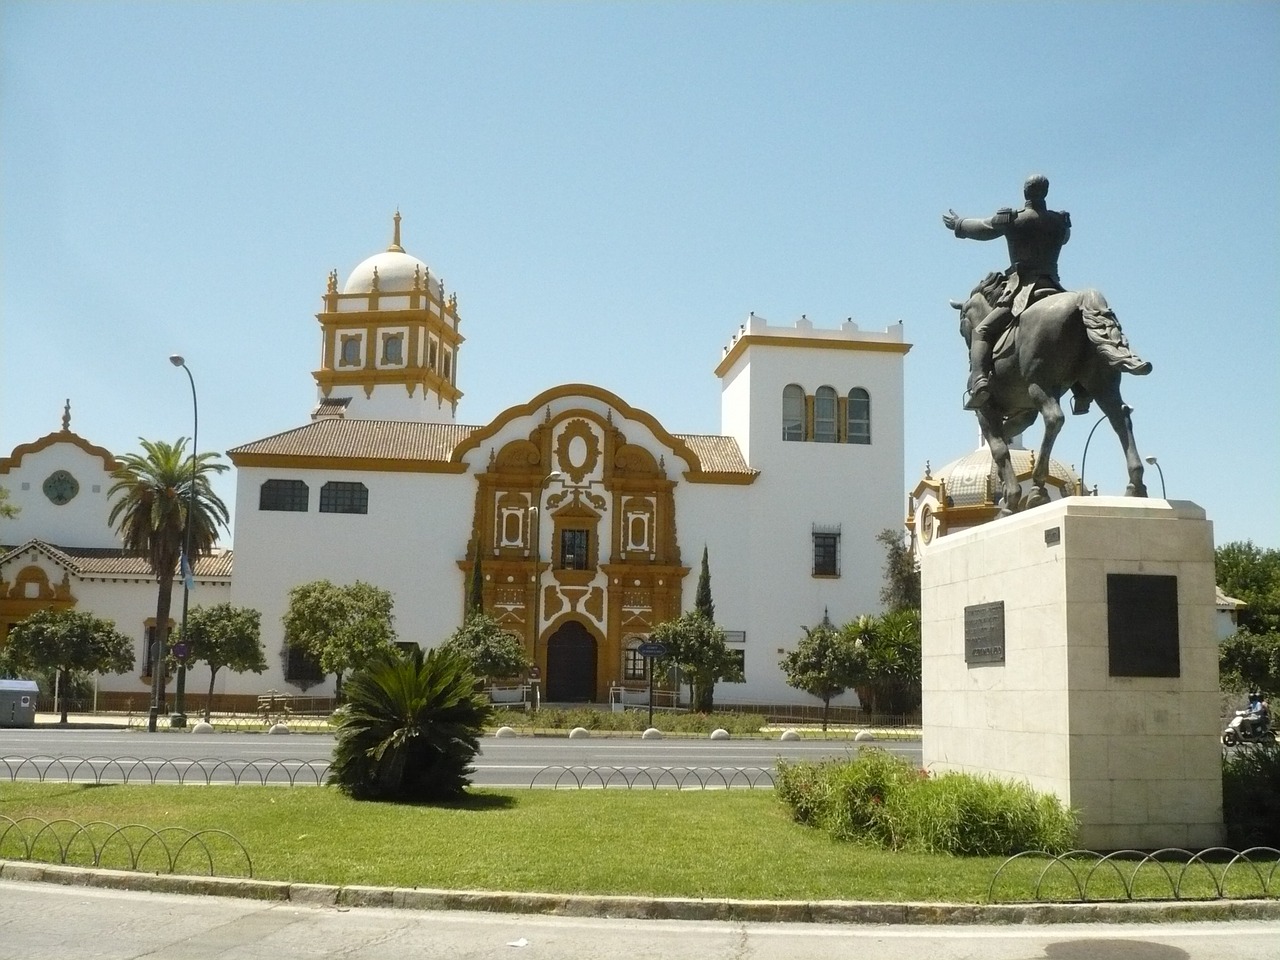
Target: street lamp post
537 577
179 718
1156 463
1085 456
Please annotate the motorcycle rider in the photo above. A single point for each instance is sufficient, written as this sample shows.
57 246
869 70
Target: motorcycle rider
1258 720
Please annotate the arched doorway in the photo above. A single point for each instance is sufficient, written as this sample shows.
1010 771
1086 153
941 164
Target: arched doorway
571 664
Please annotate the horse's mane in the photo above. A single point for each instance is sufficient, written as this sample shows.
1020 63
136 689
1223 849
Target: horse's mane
989 286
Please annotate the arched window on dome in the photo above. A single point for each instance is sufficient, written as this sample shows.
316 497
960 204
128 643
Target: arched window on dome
824 415
859 418
793 412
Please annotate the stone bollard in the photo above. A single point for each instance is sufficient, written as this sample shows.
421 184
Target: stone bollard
653 733
719 733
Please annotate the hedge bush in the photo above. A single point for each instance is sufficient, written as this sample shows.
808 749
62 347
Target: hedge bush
1251 796
881 800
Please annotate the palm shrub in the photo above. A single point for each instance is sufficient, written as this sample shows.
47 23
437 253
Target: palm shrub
410 727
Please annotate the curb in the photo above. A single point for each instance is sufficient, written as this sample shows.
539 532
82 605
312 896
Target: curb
647 908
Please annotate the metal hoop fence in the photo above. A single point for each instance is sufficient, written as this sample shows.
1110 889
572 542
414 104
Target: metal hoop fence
181 770
129 847
1172 873
582 777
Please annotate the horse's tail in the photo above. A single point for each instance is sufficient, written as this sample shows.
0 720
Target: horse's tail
1103 330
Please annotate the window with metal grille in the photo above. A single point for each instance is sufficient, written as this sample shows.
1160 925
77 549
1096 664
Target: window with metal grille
289 495
793 412
824 415
826 551
575 549
342 496
633 665
859 419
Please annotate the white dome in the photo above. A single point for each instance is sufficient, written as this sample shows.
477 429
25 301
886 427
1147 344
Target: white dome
970 477
395 273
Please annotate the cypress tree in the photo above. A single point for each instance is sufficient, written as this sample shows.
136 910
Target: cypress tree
702 602
475 593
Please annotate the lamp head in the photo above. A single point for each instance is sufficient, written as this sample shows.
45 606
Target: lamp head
553 475
1152 460
177 361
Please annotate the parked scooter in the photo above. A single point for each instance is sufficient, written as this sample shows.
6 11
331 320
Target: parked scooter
1248 727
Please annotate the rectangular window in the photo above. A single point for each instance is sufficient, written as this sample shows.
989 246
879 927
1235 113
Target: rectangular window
741 657
826 551
341 496
633 665
289 495
300 668
575 549
392 348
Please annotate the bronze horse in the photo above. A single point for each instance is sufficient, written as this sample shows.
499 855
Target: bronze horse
1063 341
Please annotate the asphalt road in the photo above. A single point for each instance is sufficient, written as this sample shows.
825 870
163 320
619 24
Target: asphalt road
302 758
40 921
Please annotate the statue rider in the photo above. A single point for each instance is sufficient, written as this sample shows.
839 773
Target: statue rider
1035 234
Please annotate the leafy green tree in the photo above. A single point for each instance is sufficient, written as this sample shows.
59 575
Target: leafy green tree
1249 662
1250 659
7 510
702 601
823 664
697 647
70 644
410 728
342 627
491 652
152 493
1252 575
224 636
887 661
901 590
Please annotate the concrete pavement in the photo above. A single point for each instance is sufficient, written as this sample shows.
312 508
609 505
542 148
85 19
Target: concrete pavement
47 922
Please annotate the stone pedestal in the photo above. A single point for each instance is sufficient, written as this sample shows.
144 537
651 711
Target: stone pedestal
1073 647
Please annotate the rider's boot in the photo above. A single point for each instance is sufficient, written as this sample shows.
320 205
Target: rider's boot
979 374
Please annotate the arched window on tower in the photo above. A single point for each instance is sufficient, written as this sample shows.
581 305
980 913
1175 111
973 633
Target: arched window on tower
824 415
859 423
793 412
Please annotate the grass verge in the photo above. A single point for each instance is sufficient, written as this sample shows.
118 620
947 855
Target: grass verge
704 844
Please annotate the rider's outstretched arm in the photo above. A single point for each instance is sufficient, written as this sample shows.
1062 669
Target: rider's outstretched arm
972 228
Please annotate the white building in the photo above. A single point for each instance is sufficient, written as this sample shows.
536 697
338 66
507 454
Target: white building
589 516
59 552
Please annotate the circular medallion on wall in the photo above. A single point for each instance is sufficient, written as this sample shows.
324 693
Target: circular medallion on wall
61 487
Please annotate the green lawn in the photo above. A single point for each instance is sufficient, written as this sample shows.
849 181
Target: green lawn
735 843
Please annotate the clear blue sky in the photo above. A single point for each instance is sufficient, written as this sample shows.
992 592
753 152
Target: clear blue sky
611 188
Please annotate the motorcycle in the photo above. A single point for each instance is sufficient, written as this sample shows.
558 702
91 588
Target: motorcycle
1240 731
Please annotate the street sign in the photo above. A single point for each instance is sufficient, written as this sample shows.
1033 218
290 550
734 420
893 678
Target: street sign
652 648
180 651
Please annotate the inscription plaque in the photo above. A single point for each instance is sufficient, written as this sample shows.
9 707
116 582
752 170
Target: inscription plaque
984 633
1142 625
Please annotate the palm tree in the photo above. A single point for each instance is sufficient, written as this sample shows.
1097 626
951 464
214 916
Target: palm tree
410 728
155 489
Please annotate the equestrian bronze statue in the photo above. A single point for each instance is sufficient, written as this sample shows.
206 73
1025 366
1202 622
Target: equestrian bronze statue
1030 342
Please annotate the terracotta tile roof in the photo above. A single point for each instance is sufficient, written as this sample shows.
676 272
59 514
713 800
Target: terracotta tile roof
332 437
113 562
716 454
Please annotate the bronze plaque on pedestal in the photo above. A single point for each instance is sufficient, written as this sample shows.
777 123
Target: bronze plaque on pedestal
1142 625
984 633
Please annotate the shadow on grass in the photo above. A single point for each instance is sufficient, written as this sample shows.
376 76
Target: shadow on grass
67 790
478 802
